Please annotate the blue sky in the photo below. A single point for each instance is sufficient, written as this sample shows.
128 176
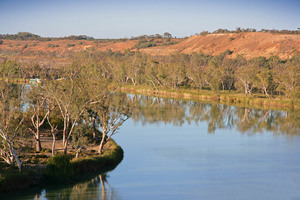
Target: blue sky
117 19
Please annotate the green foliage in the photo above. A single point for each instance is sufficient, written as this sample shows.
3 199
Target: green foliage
144 44
59 168
10 69
1 42
70 45
52 45
80 136
107 161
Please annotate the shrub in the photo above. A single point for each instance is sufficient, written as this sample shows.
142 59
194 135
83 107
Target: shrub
70 45
59 168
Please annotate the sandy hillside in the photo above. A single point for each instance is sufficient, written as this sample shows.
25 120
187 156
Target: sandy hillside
61 46
247 44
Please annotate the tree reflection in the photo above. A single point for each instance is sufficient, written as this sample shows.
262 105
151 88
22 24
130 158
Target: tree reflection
246 120
96 188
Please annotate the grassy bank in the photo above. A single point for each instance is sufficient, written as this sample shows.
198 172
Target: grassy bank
64 168
233 98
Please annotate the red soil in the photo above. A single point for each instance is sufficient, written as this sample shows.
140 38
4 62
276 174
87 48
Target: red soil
248 45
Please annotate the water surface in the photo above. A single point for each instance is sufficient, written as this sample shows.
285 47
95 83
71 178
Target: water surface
192 150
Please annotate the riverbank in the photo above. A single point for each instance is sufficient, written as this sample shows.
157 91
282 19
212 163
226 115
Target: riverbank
258 101
11 179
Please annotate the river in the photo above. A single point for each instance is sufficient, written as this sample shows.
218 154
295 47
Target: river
193 150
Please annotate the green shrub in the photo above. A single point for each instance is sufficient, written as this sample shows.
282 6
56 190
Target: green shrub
70 45
59 168
98 163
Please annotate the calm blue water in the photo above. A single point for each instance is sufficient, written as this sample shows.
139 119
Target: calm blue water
165 161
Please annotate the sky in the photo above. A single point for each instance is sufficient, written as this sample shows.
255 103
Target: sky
119 19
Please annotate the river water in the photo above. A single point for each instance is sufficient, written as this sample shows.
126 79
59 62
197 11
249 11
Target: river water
193 150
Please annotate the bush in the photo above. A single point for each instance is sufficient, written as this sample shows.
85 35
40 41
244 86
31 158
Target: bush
59 168
12 179
70 45
107 161
1 42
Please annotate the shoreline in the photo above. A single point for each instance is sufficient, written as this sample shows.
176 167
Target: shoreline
233 99
36 176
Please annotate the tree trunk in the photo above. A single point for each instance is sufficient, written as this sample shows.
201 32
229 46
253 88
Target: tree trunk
64 133
102 143
246 89
38 141
53 144
66 147
19 164
265 90
94 129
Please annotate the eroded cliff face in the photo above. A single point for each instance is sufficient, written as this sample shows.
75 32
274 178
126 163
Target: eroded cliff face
249 45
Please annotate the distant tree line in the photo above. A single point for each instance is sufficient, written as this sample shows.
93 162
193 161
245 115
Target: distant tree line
245 30
31 36
155 36
272 76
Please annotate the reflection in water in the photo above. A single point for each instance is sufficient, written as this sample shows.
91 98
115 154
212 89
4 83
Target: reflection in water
246 120
149 110
95 188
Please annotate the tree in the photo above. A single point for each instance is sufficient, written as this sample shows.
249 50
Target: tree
37 100
79 138
72 95
288 77
111 112
167 35
54 131
196 70
246 77
54 121
11 120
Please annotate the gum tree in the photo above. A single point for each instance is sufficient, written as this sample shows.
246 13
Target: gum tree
38 102
11 119
111 113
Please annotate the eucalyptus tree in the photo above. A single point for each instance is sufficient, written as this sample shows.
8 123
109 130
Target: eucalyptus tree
196 70
288 77
246 76
39 110
11 124
80 137
72 94
136 68
110 113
